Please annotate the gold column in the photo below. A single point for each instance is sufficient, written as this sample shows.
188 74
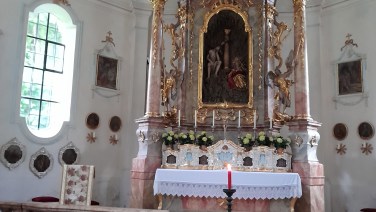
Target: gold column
302 110
156 63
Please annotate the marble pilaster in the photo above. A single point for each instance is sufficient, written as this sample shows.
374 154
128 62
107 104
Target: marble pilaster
148 159
156 61
303 129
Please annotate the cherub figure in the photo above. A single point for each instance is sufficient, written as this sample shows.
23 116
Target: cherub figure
283 84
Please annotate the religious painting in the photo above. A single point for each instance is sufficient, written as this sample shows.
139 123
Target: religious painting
365 130
92 121
107 72
350 80
115 123
340 131
225 72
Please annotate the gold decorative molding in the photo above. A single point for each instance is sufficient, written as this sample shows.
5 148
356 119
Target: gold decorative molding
260 32
299 23
297 140
367 148
341 149
109 38
141 136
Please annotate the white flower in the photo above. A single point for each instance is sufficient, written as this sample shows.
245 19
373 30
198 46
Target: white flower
204 139
271 138
191 132
203 133
169 138
164 135
279 140
248 135
184 136
245 141
262 133
176 136
262 138
211 137
171 133
192 137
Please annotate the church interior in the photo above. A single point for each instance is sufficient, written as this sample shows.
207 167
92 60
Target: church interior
120 95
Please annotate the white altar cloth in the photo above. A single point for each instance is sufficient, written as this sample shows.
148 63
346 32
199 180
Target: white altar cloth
210 183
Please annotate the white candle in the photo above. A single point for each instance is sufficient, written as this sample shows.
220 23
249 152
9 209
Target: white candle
179 118
337 146
213 117
93 134
270 123
254 119
239 120
195 118
116 137
364 144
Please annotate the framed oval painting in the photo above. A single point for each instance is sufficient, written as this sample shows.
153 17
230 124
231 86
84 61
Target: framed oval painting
365 130
115 123
340 131
92 121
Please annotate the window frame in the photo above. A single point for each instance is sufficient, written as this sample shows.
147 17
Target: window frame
21 121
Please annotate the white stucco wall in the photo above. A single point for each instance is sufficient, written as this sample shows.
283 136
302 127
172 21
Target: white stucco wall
112 162
349 178
350 182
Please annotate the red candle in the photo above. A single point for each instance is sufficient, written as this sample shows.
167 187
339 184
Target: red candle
229 181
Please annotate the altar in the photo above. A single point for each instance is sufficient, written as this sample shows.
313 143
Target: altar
210 184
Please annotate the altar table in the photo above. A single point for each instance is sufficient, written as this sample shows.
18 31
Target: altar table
210 183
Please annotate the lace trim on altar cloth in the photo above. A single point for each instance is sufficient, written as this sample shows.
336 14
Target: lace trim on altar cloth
216 191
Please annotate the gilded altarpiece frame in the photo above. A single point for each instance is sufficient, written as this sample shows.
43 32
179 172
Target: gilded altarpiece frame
225 36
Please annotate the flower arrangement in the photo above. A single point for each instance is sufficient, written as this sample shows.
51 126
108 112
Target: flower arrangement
169 138
204 140
187 138
246 141
263 140
281 142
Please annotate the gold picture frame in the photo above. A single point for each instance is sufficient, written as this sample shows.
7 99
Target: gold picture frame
230 85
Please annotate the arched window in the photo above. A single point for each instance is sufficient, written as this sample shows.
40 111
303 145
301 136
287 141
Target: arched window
48 70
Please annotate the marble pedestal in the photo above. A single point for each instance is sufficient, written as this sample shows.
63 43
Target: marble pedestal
313 180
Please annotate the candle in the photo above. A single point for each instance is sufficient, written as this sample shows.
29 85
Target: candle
229 180
337 146
270 123
93 134
195 118
254 119
239 120
364 144
179 118
213 117
116 137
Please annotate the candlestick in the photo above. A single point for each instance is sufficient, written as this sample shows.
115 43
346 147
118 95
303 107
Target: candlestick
239 120
229 193
213 118
270 123
254 119
179 118
195 118
229 180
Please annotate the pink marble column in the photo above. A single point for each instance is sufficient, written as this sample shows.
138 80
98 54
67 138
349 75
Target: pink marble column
269 62
149 154
148 159
302 110
303 129
156 60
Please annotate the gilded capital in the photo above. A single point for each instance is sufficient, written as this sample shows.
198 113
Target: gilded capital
299 3
158 3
